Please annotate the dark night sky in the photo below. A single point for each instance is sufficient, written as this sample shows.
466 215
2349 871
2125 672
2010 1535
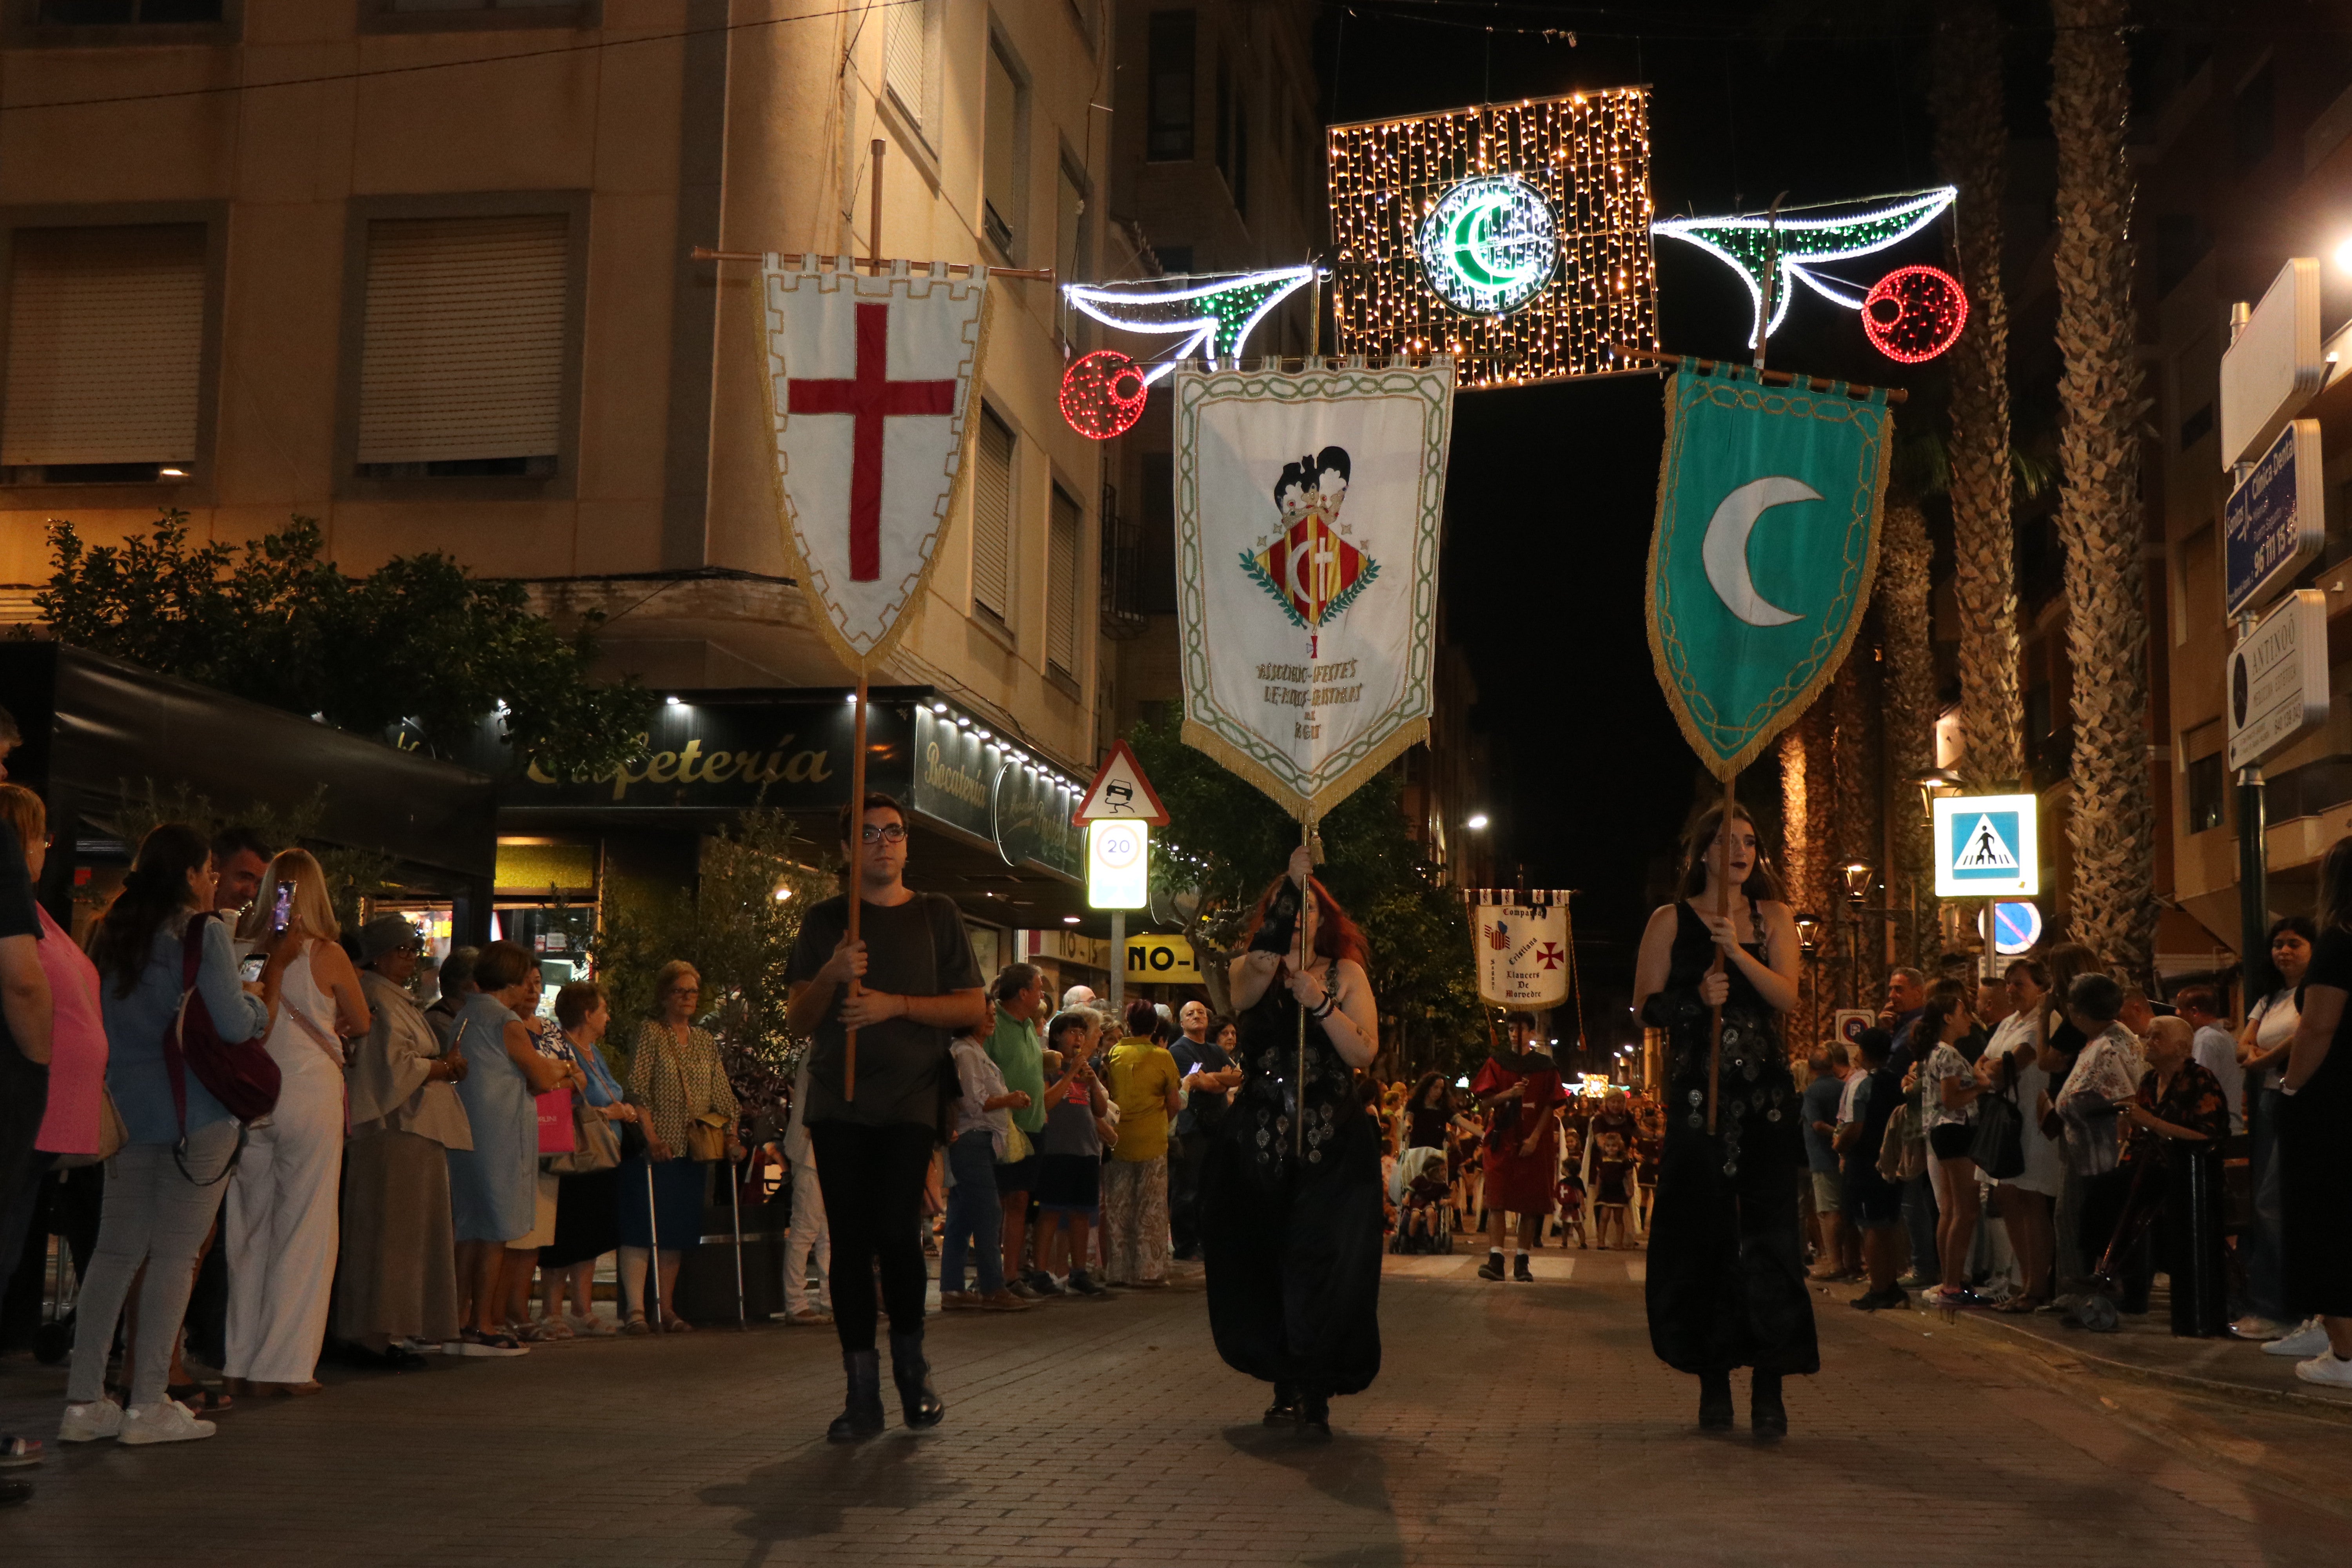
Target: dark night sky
1552 489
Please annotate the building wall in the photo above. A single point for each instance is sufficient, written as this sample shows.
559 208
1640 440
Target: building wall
656 126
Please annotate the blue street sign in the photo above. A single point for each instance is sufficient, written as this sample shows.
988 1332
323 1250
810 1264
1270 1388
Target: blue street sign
1987 847
2274 523
2016 927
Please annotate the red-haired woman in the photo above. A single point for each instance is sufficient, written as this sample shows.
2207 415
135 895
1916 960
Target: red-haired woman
1726 1280
1290 1223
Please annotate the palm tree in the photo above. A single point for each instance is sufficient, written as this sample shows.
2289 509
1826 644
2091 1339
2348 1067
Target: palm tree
1857 831
2110 823
1910 708
1972 149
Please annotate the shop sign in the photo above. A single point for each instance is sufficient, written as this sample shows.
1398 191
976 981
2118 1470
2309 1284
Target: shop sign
2278 678
1162 961
794 756
975 786
2275 523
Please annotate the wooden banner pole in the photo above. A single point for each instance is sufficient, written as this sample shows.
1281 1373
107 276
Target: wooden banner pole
874 212
1723 910
1769 377
856 862
1306 963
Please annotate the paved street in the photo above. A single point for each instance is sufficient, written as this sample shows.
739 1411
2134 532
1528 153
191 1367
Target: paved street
1513 1425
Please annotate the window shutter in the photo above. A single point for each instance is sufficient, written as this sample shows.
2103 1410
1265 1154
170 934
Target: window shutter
1062 586
991 519
105 340
462 356
910 63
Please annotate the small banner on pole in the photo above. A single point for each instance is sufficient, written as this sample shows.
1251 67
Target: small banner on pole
869 382
1308 507
1526 948
1767 541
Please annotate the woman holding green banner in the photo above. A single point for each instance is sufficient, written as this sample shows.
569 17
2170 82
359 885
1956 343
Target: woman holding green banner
1726 1283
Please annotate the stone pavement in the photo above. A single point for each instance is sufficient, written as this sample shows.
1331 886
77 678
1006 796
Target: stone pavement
1513 1425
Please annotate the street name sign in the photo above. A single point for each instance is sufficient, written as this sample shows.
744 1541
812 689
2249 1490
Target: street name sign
1987 847
2278 678
2276 523
2273 365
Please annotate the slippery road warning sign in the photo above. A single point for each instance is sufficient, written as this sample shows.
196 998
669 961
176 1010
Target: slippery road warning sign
1987 847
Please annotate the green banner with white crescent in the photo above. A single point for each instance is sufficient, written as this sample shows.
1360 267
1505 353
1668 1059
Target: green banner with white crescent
1766 540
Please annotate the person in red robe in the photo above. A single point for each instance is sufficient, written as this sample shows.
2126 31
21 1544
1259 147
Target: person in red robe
1523 1095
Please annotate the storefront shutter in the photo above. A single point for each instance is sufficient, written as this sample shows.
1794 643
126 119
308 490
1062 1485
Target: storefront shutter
106 338
991 519
462 357
1062 585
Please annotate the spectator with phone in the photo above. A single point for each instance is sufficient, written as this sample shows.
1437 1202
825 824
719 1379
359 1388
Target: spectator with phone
397 1280
166 1185
1069 1153
280 1229
983 1129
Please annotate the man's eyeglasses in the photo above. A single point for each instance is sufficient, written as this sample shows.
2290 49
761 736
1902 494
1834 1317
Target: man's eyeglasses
887 833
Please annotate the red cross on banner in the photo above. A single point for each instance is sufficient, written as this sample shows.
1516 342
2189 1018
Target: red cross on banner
872 397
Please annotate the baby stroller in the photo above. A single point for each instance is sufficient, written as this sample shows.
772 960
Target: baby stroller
1422 1188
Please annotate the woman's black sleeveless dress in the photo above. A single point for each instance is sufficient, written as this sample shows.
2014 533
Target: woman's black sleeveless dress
1293 1246
1727 1277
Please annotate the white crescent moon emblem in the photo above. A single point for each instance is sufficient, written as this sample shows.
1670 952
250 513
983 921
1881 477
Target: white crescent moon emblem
1725 552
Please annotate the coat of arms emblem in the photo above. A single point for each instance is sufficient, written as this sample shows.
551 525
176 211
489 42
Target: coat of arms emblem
1310 566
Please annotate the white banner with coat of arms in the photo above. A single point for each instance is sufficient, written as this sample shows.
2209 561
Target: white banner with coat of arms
1307 506
1527 948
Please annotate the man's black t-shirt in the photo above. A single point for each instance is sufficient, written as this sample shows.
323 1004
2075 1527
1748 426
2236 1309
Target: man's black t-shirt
918 948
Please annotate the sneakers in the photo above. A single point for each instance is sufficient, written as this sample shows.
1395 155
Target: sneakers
1001 1301
88 1422
2327 1367
1521 1272
959 1301
2310 1340
1492 1268
168 1422
1042 1287
1084 1284
1023 1288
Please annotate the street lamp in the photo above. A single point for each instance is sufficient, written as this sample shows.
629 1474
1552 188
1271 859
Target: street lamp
1857 874
1936 782
1809 949
1475 822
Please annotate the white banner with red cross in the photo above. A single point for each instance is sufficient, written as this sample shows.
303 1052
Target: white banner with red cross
869 383
1307 531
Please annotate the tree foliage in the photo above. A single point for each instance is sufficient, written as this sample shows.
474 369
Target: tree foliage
1228 840
417 640
736 933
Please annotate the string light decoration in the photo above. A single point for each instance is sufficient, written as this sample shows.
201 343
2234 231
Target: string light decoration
1915 314
1584 157
1798 240
1216 312
1103 394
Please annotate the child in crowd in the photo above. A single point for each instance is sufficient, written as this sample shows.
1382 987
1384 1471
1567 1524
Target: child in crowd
1070 1172
1613 1183
1571 1187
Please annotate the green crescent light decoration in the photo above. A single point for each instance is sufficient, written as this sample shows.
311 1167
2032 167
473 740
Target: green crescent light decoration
1801 238
1489 245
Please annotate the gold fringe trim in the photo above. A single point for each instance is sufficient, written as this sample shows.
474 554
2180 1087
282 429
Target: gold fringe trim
958 489
1304 808
1794 708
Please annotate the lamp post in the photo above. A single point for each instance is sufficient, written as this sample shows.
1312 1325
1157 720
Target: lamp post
1809 949
1857 875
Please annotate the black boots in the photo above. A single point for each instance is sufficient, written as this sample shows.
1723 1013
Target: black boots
913 1374
1283 1411
861 1417
1766 1417
1520 1270
1314 1415
1715 1402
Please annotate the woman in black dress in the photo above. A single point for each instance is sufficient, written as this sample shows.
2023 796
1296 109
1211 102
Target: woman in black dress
2315 1161
1292 1241
1727 1278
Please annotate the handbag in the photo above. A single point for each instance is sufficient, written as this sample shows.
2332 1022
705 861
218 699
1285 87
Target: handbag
1998 1146
240 1074
705 1133
555 1130
594 1145
1017 1147
112 1136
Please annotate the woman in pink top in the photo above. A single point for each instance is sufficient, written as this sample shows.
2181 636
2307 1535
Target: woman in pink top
77 1036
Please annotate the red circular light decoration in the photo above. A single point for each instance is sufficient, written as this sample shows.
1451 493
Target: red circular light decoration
1915 314
1103 394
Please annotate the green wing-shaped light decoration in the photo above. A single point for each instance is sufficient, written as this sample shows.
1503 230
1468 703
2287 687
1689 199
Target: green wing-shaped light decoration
1800 239
1215 313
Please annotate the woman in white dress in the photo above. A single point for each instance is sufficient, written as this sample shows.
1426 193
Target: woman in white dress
2012 1065
282 1228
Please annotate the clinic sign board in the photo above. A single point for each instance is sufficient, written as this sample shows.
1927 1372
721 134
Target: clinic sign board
2278 678
2274 523
1987 847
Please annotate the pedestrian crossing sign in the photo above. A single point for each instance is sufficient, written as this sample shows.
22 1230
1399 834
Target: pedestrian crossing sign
1987 847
